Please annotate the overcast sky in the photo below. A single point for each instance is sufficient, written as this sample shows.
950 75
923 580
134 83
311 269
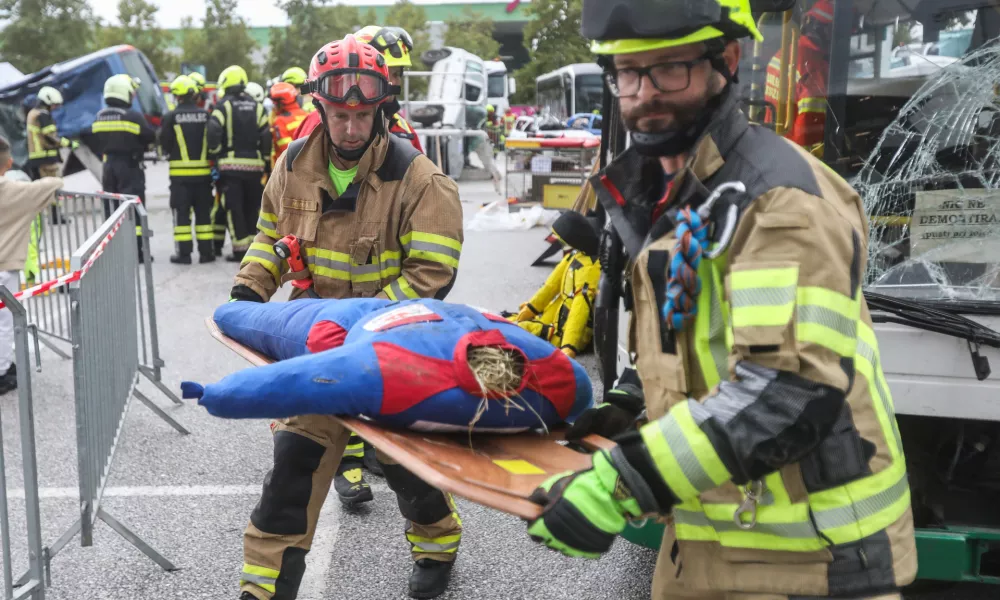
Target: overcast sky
259 13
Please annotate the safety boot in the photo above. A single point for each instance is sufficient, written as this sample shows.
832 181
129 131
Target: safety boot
429 578
371 462
205 258
247 596
236 257
181 259
352 489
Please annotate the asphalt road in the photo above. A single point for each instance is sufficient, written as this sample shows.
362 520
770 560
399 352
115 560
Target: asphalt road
189 497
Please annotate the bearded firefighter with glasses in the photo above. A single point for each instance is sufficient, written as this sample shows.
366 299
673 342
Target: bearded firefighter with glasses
771 445
375 218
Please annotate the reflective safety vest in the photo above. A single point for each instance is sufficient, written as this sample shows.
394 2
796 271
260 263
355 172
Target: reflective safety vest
284 122
184 141
43 139
238 134
774 379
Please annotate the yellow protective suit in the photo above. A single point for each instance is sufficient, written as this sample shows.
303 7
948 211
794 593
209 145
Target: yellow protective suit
560 311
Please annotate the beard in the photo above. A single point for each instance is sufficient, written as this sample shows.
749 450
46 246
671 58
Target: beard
660 116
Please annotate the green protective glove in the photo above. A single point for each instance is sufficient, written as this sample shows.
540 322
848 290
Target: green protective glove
583 511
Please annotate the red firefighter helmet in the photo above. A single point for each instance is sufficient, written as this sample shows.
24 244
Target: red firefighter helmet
284 94
348 73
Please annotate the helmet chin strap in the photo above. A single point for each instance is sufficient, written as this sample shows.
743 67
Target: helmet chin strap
674 141
356 154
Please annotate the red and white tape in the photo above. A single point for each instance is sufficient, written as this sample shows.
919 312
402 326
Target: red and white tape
62 280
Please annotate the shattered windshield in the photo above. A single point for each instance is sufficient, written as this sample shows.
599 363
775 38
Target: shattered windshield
901 98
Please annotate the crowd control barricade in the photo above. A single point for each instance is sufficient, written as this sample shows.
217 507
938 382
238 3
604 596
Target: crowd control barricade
46 298
31 585
106 333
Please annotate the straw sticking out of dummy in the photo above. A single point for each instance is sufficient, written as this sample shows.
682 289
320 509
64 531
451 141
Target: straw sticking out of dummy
498 372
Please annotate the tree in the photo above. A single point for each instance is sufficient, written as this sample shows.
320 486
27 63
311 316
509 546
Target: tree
222 40
137 26
43 32
311 24
553 39
413 19
472 32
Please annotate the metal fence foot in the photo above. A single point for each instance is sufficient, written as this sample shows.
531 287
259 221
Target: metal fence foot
148 374
51 346
160 412
133 539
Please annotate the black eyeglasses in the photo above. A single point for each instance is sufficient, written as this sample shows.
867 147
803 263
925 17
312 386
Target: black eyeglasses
674 76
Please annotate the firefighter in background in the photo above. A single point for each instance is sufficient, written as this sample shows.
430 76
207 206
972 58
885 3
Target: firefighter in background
183 140
44 141
771 443
297 77
812 68
286 117
199 83
509 118
122 135
494 128
377 219
560 311
240 143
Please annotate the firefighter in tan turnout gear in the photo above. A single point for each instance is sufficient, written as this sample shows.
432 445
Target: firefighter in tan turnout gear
375 219
772 442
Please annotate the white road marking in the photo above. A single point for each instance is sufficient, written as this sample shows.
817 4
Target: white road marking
314 584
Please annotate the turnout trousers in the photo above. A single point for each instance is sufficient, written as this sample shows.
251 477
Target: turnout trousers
192 197
241 197
124 175
307 451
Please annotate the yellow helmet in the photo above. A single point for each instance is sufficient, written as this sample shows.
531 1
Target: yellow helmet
294 75
629 26
394 43
182 86
198 79
120 87
232 76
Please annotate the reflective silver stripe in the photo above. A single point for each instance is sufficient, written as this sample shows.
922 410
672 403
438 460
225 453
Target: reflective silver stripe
785 530
735 396
432 247
862 509
433 547
868 353
263 256
684 455
397 290
337 265
821 315
391 263
763 296
266 224
257 579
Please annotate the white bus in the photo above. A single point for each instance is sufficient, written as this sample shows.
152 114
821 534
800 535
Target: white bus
570 90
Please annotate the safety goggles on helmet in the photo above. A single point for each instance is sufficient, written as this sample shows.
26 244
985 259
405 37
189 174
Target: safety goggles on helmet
670 76
351 87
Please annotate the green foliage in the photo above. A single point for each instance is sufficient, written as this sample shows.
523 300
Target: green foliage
312 24
39 33
222 40
413 19
137 26
472 32
553 39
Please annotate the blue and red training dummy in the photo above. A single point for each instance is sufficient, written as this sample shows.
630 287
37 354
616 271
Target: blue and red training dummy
398 363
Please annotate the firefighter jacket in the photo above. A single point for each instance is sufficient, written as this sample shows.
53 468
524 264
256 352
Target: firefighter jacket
43 139
812 65
563 304
285 120
239 139
773 434
184 141
395 232
119 132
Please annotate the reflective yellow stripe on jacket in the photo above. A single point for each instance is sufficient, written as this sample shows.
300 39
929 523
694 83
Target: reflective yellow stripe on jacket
111 126
432 247
185 167
688 462
337 265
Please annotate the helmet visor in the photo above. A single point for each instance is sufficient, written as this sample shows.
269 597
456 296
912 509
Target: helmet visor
343 86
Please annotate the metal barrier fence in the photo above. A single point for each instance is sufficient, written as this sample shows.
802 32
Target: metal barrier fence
31 585
79 216
107 334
